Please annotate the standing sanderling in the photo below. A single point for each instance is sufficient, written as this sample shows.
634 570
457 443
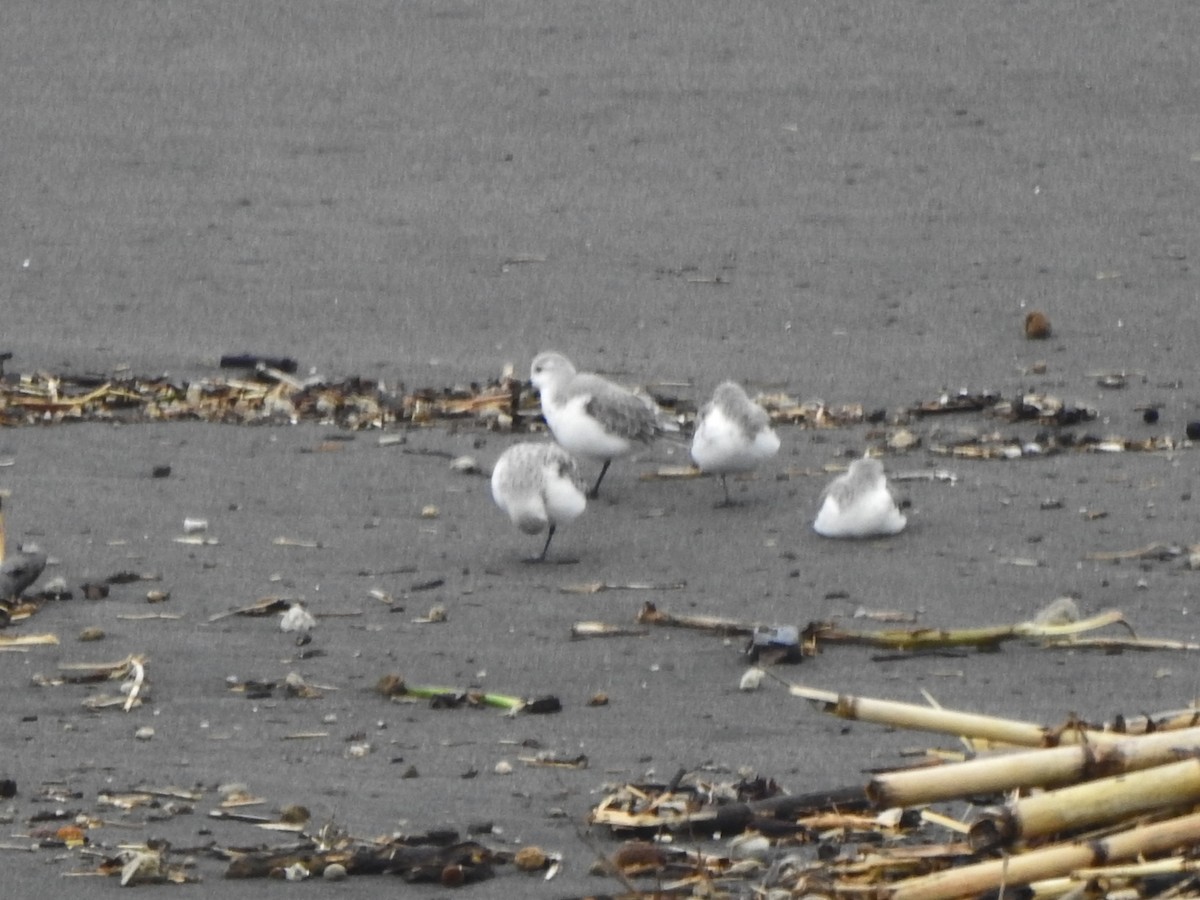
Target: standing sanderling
859 504
733 434
537 486
589 415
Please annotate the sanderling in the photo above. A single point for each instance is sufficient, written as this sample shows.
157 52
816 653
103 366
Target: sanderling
537 486
19 570
297 618
733 434
589 415
859 504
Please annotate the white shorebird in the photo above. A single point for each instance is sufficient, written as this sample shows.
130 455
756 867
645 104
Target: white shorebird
589 415
859 504
733 434
19 570
537 486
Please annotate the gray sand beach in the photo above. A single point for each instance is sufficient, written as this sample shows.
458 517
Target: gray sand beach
852 202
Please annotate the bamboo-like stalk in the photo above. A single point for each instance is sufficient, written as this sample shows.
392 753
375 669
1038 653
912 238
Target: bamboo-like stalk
941 638
1049 862
1104 800
1032 768
652 615
947 721
581 630
1114 644
912 639
112 670
14 642
1167 720
1168 866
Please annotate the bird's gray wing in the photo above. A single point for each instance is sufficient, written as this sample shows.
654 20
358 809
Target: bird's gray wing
618 410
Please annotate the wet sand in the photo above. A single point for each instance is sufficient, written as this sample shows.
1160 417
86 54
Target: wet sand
855 203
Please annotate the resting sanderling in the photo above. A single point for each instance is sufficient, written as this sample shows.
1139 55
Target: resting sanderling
537 486
589 415
859 504
733 434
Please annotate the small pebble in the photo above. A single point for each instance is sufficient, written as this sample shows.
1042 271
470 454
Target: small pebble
453 876
465 464
295 814
750 845
1037 326
334 872
752 680
530 859
504 767
144 733
56 587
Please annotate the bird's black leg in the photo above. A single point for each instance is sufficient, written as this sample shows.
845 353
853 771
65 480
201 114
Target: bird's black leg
728 501
595 491
545 547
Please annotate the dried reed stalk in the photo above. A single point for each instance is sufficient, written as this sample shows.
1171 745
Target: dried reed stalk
1054 861
1034 768
946 721
941 638
1105 800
